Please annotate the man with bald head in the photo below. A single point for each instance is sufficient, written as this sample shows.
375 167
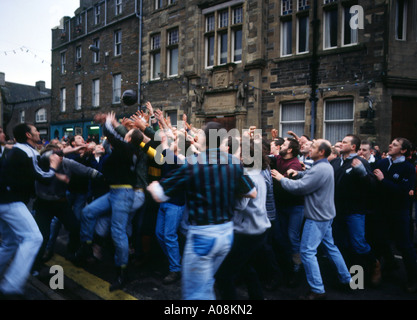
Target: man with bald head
317 187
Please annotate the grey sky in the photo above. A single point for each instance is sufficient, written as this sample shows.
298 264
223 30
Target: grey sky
25 37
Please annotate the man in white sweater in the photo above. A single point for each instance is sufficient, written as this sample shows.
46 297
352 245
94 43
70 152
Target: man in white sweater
317 187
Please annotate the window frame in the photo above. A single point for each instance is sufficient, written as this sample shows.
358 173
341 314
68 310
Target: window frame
326 14
222 24
345 23
22 116
346 120
284 122
37 116
118 43
63 100
97 14
95 91
118 7
404 20
307 35
78 96
154 52
117 80
63 62
172 45
96 55
290 23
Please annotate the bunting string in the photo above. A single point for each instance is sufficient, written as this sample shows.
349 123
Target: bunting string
24 50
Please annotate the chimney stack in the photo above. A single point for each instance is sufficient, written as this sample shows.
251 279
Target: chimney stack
40 85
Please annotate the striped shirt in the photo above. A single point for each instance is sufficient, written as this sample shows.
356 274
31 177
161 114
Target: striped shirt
212 182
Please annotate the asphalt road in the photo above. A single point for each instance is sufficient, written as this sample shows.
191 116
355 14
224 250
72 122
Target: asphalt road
146 281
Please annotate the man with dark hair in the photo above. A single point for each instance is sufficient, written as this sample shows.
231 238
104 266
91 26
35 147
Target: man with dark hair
212 182
21 238
119 172
354 183
289 211
396 177
317 187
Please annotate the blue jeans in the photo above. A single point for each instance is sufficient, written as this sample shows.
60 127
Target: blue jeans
119 202
21 240
77 201
350 233
314 233
167 223
103 224
205 249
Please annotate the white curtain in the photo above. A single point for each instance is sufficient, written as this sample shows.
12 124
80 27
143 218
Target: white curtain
338 119
286 38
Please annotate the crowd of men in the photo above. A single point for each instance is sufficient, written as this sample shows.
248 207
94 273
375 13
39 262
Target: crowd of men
147 179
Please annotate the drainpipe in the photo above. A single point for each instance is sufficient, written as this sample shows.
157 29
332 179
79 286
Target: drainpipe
314 70
139 16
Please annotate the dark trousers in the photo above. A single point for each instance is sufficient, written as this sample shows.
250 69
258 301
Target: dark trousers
395 228
44 213
239 263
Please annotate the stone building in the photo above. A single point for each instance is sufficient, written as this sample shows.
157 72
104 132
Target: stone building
24 103
324 68
94 59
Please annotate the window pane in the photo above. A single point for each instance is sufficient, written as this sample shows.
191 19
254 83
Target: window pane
223 48
96 93
336 131
303 4
339 110
400 19
173 37
292 118
156 65
223 19
330 36
117 90
173 61
286 34
297 128
303 34
286 6
210 51
293 112
63 99
78 97
210 23
237 52
237 15
350 35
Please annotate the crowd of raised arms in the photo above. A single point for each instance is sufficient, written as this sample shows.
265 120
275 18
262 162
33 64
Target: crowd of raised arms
146 180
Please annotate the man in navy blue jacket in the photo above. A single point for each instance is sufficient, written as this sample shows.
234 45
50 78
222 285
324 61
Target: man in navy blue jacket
396 178
21 238
354 182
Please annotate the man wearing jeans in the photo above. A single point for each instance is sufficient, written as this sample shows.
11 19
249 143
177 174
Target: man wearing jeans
21 238
211 182
120 175
317 187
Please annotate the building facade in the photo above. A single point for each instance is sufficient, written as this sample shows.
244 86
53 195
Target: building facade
324 68
94 59
23 103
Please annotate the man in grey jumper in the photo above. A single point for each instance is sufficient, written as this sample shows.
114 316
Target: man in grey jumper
317 187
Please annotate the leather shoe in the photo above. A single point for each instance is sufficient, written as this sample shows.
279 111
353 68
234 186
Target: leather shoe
314 296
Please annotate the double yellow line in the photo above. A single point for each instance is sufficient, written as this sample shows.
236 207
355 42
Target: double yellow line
88 281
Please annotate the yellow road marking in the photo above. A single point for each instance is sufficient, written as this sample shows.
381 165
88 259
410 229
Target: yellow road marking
88 280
